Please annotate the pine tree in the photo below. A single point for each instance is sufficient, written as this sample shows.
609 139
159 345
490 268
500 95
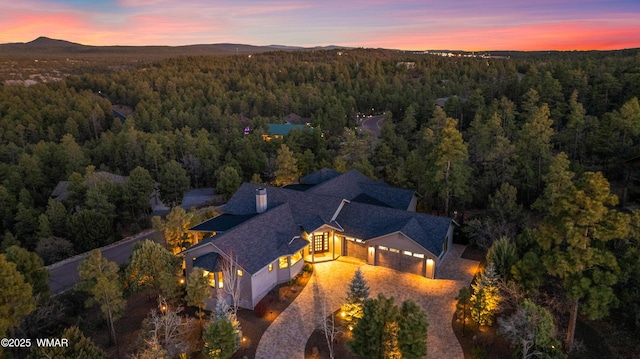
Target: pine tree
503 254
176 229
174 182
413 327
32 268
390 348
220 340
152 266
486 296
534 148
136 190
357 294
100 278
368 334
448 171
16 300
462 305
229 180
198 290
286 167
573 238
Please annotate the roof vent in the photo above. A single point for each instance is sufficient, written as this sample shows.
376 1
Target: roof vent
261 200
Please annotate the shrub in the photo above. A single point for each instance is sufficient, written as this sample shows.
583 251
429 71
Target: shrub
308 268
260 309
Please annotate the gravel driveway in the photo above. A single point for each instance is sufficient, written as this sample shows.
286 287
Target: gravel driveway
287 336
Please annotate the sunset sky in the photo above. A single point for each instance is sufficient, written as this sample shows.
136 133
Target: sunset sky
403 24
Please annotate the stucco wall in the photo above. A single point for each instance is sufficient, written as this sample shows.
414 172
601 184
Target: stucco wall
262 282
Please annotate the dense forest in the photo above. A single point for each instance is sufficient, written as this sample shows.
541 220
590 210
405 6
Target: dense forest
525 120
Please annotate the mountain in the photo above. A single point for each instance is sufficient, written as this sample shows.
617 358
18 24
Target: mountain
43 41
54 47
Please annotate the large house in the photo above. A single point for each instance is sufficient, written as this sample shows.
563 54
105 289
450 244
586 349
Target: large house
271 232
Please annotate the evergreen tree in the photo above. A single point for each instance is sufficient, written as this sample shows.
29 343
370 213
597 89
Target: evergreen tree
174 182
32 268
16 300
229 180
101 280
534 148
369 333
413 327
176 229
198 290
58 218
137 189
90 229
152 266
286 167
485 300
573 238
462 305
447 170
220 341
357 294
503 254
390 348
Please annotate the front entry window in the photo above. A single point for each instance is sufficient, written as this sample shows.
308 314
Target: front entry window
321 242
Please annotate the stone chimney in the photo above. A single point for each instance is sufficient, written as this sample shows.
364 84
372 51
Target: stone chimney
261 200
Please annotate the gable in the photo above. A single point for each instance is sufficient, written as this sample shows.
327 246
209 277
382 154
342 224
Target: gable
368 222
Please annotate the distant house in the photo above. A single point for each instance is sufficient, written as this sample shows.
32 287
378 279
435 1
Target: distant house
406 64
294 119
60 193
270 232
442 101
279 130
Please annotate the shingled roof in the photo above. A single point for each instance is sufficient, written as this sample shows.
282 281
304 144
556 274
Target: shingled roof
261 239
367 222
368 209
352 184
319 176
309 211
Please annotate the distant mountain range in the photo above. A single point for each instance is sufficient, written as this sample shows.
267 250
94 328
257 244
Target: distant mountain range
47 46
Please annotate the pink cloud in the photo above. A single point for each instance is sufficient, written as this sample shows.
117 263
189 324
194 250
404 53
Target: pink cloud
567 35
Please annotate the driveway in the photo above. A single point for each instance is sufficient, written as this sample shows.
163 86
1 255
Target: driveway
287 336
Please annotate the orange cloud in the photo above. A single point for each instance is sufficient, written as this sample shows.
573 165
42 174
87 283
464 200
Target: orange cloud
569 35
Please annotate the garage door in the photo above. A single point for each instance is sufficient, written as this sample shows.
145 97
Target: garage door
355 249
400 262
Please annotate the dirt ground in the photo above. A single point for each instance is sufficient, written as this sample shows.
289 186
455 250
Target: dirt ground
140 305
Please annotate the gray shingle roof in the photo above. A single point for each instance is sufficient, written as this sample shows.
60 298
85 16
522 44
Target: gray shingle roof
320 176
351 184
259 239
262 239
211 262
367 221
309 211
222 223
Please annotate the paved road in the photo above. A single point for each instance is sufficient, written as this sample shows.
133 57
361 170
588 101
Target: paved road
329 282
373 124
64 275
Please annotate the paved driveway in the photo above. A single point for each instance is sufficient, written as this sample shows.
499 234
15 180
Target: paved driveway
287 336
